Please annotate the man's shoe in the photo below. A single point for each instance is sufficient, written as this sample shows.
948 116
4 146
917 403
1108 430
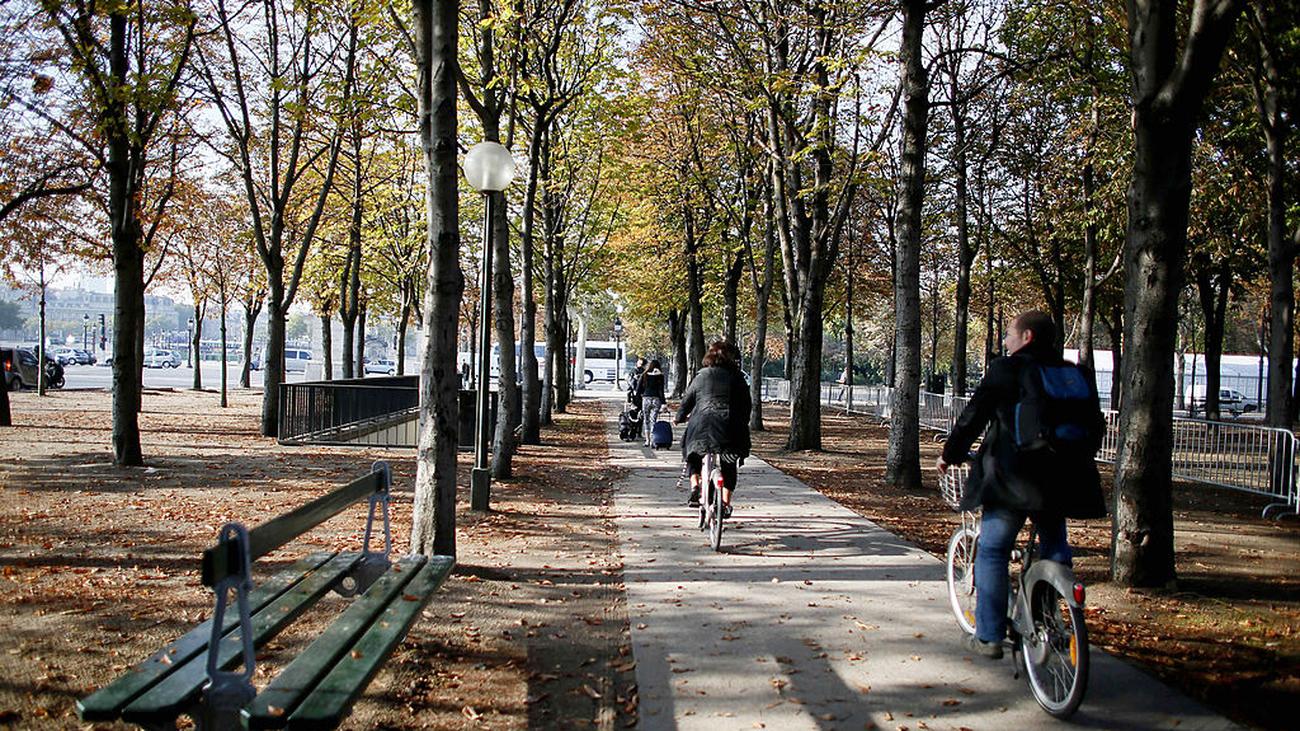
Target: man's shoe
976 646
694 499
726 512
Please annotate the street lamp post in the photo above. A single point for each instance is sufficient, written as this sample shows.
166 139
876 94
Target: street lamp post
189 347
618 352
85 332
489 168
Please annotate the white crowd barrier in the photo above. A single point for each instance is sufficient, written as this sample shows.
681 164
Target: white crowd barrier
1255 459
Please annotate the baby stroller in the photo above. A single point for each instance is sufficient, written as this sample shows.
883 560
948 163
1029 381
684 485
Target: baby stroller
629 422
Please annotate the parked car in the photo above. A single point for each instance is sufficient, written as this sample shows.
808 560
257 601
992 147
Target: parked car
161 359
382 365
84 357
1230 400
295 360
65 356
20 369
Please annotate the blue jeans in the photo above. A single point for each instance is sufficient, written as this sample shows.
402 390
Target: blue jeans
998 529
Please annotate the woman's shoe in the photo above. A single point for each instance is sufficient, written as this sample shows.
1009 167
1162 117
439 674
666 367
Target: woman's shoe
726 512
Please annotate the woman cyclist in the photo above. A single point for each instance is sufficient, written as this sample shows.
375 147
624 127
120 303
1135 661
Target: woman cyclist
717 405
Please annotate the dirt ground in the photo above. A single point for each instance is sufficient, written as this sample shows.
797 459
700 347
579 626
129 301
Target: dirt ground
1228 633
99 565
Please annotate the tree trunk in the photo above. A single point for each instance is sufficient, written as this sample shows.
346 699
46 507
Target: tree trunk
764 298
434 519
194 347
273 355
403 322
677 333
805 386
225 376
251 311
965 255
43 333
350 306
531 392
731 293
1212 290
1116 333
1281 251
1168 93
360 362
503 295
128 262
903 461
564 376
557 355
694 300
327 344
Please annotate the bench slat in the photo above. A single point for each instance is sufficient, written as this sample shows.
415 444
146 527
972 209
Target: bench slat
272 707
169 698
107 703
222 560
332 699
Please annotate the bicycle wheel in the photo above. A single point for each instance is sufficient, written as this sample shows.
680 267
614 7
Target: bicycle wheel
715 528
1056 656
961 577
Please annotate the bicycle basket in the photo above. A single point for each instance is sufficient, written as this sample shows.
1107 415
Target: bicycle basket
953 484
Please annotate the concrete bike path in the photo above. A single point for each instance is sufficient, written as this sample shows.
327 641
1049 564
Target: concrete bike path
813 617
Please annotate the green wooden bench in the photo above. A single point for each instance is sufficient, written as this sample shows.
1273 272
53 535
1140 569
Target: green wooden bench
206 674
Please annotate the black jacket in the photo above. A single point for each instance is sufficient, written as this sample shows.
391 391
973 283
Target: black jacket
1002 475
651 384
718 405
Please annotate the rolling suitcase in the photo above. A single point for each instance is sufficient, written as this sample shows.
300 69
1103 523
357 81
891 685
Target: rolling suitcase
662 436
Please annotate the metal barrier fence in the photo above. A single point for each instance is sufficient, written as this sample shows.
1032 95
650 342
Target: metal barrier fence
1245 457
346 412
1250 458
371 412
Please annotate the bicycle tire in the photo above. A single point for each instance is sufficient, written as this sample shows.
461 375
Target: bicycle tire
961 576
715 528
1056 658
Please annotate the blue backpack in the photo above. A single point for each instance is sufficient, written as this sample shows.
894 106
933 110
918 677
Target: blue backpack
1057 410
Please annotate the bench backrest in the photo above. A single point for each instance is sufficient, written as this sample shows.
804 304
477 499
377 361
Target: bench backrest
225 559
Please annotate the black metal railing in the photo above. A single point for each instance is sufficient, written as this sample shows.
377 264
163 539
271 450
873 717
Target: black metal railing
379 412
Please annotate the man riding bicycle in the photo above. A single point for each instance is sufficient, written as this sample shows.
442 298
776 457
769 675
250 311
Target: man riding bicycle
717 404
1011 482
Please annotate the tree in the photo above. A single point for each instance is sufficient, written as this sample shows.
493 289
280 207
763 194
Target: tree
1273 76
1171 78
278 131
434 518
903 461
491 96
131 60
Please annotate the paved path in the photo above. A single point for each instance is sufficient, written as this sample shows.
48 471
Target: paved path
816 618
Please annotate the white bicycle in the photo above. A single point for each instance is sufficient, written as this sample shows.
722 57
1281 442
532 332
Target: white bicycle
711 508
1045 621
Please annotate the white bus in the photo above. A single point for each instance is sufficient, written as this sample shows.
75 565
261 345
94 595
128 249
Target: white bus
604 359
601 362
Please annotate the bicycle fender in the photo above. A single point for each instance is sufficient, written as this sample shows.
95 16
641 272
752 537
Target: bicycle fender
1060 576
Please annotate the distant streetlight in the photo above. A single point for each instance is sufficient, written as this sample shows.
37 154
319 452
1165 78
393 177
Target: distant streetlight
85 332
489 168
189 358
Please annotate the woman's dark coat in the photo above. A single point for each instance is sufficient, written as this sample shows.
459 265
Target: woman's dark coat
718 405
651 384
1002 475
